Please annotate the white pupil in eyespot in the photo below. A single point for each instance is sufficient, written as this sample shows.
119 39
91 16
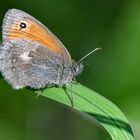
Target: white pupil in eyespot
23 25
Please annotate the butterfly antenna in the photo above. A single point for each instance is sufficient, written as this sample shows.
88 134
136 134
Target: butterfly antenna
89 54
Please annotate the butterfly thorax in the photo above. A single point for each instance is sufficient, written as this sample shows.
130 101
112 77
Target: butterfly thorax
69 72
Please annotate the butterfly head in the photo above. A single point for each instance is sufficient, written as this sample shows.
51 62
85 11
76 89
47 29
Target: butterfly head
77 68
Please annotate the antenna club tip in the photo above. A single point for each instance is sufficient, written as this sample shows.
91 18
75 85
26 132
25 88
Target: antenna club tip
98 49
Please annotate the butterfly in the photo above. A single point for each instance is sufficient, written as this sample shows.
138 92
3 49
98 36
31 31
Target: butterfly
32 56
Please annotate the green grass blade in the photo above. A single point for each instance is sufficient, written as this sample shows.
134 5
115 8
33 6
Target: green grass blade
95 106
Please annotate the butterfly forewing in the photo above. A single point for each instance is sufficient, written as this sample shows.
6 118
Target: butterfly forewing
33 30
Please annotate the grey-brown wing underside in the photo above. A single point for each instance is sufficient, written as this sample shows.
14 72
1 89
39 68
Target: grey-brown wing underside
25 63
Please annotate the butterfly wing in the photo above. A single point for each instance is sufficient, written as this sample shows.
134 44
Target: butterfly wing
25 63
20 25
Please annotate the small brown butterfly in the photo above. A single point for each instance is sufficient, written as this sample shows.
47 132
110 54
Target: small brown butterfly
32 56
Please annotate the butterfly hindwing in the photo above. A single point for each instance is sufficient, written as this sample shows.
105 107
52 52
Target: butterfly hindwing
30 65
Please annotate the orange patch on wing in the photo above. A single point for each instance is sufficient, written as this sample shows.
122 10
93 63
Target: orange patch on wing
35 33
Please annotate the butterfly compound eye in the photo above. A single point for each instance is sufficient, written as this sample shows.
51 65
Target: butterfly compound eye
23 25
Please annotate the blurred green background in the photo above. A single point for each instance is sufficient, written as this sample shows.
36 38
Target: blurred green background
113 72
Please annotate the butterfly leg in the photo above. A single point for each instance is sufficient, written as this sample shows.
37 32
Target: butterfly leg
69 94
